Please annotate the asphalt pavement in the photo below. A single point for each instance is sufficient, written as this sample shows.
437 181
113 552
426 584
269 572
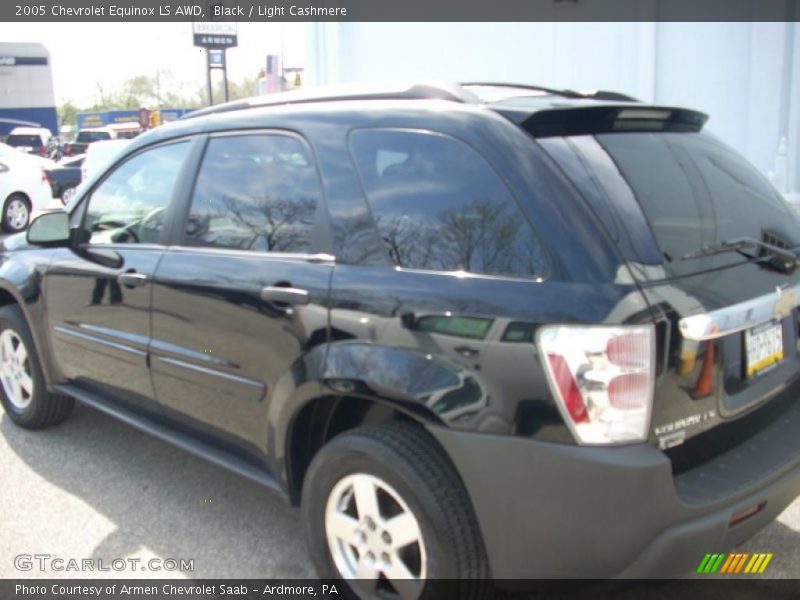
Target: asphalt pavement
96 488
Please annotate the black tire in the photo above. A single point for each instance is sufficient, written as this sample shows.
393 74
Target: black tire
43 409
9 203
406 457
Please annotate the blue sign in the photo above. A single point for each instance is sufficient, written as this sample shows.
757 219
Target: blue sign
112 117
216 58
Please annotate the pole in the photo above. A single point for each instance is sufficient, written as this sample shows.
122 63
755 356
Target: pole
208 77
158 87
225 72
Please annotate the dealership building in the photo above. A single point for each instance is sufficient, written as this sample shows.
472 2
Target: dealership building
26 87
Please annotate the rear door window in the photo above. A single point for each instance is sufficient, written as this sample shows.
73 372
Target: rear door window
438 205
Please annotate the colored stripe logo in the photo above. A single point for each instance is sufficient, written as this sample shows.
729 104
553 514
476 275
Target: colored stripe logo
735 563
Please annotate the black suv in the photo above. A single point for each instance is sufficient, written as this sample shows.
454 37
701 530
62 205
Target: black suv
478 330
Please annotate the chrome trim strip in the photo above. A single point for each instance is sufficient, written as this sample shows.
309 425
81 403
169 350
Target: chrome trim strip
220 374
738 317
133 338
189 356
97 340
234 252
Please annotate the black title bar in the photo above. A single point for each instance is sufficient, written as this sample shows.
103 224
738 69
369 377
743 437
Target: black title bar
398 10
738 588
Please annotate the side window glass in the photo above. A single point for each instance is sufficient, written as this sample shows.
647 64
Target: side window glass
519 332
439 206
473 328
254 192
130 205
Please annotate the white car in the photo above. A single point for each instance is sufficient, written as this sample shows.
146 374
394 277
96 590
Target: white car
100 154
31 140
23 190
9 153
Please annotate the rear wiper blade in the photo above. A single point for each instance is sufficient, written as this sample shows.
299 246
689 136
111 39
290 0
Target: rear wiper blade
781 259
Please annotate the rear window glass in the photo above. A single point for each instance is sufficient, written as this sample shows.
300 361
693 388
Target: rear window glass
92 136
693 190
439 206
18 140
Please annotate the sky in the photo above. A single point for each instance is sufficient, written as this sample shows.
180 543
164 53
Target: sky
87 55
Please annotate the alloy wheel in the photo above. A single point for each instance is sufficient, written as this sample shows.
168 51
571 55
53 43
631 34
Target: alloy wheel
16 214
374 537
15 370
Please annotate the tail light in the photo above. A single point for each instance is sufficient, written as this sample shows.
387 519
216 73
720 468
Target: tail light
602 379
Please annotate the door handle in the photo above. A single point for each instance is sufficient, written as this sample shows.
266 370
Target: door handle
132 280
284 295
466 351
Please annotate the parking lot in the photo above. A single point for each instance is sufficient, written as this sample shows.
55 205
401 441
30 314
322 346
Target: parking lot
96 488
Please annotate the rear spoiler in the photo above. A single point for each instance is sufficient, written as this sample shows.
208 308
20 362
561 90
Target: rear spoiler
588 120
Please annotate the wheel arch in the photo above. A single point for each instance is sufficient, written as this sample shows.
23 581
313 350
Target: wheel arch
10 295
322 418
18 193
340 385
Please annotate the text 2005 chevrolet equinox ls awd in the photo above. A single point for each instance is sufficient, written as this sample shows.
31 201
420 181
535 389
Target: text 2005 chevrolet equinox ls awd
469 329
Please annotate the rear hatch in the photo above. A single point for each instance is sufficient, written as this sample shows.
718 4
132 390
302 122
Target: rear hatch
704 234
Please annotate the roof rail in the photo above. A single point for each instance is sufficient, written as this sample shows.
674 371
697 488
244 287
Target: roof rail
454 92
583 95
392 91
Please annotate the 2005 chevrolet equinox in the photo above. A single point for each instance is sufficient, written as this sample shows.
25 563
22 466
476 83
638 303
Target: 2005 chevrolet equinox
469 329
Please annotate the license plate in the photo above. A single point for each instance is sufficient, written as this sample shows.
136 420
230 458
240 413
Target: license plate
764 347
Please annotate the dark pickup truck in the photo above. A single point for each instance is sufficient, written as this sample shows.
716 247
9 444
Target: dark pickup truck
64 178
83 139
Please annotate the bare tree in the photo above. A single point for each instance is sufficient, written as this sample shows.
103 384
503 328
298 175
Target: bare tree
283 222
484 236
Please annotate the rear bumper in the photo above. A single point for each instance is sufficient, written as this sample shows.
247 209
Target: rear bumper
555 511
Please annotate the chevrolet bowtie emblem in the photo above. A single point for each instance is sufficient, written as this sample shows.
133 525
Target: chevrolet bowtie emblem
784 305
